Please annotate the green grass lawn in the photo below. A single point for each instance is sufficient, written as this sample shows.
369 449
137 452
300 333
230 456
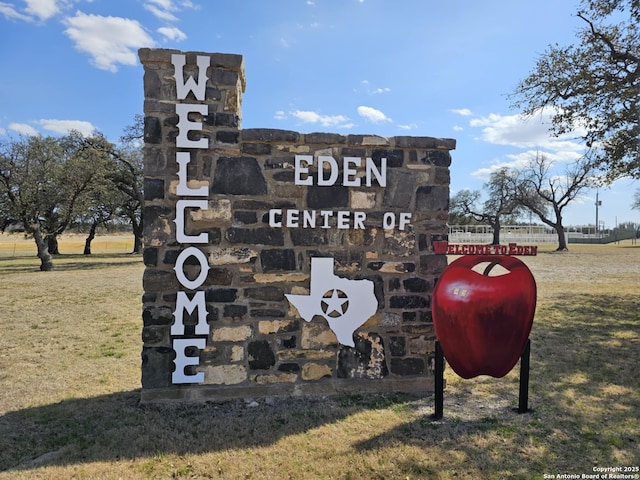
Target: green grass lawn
70 375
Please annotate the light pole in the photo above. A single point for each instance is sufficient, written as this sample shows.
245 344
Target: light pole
598 204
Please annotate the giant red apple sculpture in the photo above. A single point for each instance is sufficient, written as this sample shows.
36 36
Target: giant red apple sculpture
483 322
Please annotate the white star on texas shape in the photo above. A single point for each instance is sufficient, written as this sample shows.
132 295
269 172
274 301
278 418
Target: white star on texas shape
334 303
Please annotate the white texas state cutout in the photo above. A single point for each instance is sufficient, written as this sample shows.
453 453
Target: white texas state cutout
345 304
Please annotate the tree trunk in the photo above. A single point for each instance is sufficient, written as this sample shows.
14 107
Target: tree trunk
562 241
137 244
89 239
496 234
46 261
137 236
52 244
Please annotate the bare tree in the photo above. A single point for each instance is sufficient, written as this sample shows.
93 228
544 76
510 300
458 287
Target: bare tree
546 194
501 203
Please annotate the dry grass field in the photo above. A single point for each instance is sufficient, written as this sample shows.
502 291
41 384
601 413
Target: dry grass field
70 376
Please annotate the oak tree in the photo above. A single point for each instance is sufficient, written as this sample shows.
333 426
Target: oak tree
594 86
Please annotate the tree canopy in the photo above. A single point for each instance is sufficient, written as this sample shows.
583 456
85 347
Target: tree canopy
547 195
594 85
49 183
46 182
501 204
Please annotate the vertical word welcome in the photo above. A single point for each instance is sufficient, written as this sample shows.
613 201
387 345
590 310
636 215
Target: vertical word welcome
190 299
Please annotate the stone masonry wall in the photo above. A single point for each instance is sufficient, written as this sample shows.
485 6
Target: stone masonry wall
234 189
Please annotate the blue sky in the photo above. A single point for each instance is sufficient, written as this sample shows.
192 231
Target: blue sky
404 67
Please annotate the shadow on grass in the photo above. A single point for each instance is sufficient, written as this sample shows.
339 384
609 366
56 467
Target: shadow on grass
115 427
584 396
70 262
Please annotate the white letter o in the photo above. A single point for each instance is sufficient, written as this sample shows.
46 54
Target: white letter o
204 267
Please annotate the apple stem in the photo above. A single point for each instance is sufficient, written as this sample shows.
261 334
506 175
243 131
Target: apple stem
489 267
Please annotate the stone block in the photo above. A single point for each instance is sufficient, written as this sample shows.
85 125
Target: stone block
267 293
260 355
256 148
231 334
365 360
153 188
408 366
326 138
255 236
439 158
150 256
238 176
421 345
274 378
155 335
232 256
269 135
244 217
274 260
222 295
315 371
397 346
430 198
408 301
399 191
432 264
335 196
362 200
269 327
317 335
224 374
157 315
289 367
157 365
416 284
152 130
235 312
267 312
395 157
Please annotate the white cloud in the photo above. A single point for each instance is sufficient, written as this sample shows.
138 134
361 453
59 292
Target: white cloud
161 14
280 115
166 9
43 9
9 12
528 136
372 114
65 126
373 91
465 112
23 129
172 33
307 116
457 128
524 132
109 40
411 126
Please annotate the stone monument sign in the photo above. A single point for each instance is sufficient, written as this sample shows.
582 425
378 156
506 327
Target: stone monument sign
281 263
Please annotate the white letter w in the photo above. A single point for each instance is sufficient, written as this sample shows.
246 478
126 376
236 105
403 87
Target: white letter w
183 88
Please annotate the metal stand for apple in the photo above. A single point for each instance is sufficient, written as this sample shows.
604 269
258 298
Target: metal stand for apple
523 393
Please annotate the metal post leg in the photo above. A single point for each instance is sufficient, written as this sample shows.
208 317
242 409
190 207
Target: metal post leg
439 383
523 398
